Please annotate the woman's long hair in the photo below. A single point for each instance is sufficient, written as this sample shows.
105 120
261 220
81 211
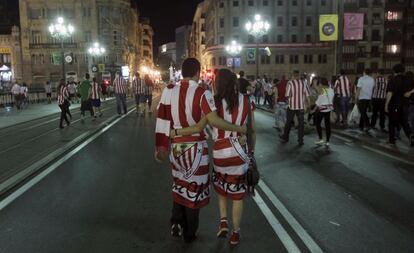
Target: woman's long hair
227 88
148 81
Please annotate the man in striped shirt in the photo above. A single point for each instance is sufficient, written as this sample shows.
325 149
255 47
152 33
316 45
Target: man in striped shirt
379 96
120 87
297 94
138 90
343 91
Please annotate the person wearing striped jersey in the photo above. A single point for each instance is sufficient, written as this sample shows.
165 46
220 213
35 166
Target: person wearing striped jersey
324 106
138 90
120 87
96 95
63 96
343 91
148 89
181 106
297 94
379 95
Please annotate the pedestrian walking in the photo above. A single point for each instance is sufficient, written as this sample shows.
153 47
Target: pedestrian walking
63 102
313 96
410 96
24 96
324 107
96 95
364 92
85 91
258 86
15 90
268 93
148 90
379 96
138 90
298 96
72 92
48 91
343 93
281 104
120 88
185 105
397 100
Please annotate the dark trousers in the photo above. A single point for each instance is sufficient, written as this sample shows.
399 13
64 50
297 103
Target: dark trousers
326 116
378 107
64 110
187 218
363 105
300 114
149 98
121 103
343 106
86 105
398 118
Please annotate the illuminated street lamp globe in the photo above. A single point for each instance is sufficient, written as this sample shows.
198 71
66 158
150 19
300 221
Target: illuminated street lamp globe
96 50
258 27
234 48
60 30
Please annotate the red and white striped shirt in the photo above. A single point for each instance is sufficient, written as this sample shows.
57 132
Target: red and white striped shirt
181 106
138 86
96 90
63 94
343 87
380 88
237 117
120 85
297 91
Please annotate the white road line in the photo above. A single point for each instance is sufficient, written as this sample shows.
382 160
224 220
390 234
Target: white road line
5 202
300 231
282 234
342 138
388 155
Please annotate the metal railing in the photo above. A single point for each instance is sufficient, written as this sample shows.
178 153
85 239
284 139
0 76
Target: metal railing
34 96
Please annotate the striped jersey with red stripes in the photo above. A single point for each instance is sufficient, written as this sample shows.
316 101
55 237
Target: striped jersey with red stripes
343 87
297 92
96 90
138 86
120 85
380 88
63 94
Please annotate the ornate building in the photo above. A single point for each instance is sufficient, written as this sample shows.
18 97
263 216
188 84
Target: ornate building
10 57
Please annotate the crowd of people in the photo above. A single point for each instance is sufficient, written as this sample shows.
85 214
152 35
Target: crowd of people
21 95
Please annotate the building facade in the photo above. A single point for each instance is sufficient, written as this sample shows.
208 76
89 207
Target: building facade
293 39
197 43
147 49
168 51
10 57
114 24
182 38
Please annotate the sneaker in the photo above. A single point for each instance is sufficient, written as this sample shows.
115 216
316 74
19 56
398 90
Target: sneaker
223 228
327 144
235 238
176 230
320 142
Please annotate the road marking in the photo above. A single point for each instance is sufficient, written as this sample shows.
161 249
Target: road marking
342 138
281 233
388 155
300 231
5 202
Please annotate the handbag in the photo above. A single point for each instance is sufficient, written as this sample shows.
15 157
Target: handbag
252 175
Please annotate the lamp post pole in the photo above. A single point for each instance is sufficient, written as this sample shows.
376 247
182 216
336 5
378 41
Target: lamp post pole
257 28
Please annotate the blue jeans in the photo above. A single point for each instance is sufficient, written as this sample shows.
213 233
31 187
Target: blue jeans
343 104
121 103
280 114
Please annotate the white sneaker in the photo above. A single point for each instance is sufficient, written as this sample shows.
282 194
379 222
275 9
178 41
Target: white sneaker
320 142
327 144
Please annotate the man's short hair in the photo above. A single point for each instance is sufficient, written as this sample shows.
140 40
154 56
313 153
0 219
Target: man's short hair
296 72
87 76
241 73
190 67
381 71
368 71
342 72
398 68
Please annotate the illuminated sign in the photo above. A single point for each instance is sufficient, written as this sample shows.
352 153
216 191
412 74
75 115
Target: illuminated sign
164 48
5 50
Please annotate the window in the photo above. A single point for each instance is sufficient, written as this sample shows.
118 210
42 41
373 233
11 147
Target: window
236 37
35 13
146 53
308 59
393 15
221 42
87 11
280 21
374 66
308 21
361 51
363 4
348 49
36 37
264 59
222 61
323 2
294 3
308 38
265 38
250 3
235 22
360 67
265 3
280 59
294 21
280 3
279 38
322 58
375 51
393 49
308 2
294 38
250 39
221 5
115 38
213 61
221 22
376 35
235 3
293 59
88 36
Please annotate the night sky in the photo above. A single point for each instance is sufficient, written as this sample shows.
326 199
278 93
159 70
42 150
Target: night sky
165 16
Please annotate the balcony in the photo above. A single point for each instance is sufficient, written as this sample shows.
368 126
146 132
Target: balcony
377 4
52 45
377 21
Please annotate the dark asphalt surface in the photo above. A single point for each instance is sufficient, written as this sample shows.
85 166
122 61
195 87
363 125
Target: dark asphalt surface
113 197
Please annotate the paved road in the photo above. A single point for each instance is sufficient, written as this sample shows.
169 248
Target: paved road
112 197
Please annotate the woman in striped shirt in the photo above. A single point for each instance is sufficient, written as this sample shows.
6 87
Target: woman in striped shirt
63 102
230 157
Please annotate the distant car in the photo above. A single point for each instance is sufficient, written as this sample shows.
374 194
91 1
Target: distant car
71 77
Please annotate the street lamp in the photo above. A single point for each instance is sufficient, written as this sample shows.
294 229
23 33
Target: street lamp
60 31
95 50
257 29
233 49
